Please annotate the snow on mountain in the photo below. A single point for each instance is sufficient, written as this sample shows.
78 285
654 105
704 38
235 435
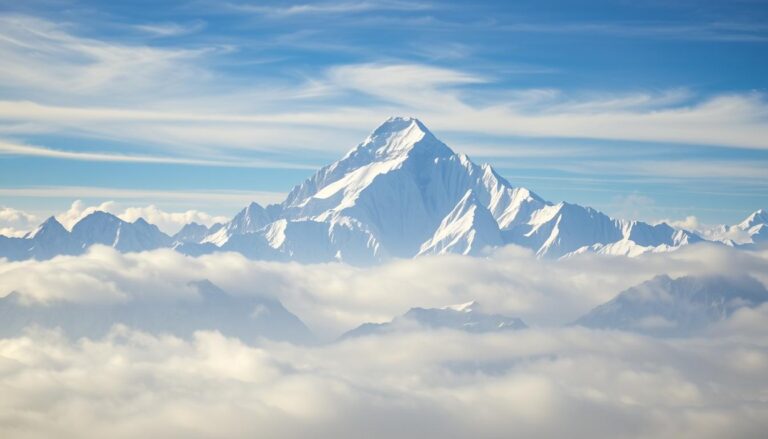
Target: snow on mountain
675 307
399 193
52 239
748 233
245 317
194 232
463 317
754 227
248 220
466 230
107 229
638 238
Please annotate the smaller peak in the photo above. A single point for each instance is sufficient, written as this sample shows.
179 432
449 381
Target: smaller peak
99 214
51 221
49 225
97 217
760 216
141 221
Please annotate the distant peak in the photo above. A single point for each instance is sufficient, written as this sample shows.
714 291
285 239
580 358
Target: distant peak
760 216
98 216
51 221
49 225
464 307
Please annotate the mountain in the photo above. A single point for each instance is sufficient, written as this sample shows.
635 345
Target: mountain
398 194
195 233
748 233
676 307
402 192
52 239
463 317
248 220
107 229
246 317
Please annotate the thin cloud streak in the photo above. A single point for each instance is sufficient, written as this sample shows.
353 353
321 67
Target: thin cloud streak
328 8
232 197
38 151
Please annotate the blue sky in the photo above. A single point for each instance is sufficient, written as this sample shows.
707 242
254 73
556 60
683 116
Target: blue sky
643 109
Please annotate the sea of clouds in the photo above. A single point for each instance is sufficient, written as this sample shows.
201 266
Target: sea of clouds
547 381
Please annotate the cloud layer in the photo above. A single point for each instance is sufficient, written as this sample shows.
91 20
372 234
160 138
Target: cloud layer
533 383
333 298
542 382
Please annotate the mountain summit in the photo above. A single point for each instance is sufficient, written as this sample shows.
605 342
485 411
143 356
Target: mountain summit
400 193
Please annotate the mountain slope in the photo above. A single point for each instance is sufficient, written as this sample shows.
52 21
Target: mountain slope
748 233
467 229
464 317
245 317
675 307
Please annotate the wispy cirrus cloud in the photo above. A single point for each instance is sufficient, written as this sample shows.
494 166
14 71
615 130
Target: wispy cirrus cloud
229 198
328 7
170 29
8 148
713 31
42 57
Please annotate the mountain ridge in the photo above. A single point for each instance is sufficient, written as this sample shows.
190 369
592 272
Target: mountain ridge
397 194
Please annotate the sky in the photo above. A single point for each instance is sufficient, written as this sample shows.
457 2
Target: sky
643 109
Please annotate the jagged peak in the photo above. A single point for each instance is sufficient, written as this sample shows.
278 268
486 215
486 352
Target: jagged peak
193 225
97 216
760 216
254 205
49 225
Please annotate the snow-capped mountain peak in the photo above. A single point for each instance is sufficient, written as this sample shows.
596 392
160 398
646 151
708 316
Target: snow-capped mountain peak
399 136
758 217
394 141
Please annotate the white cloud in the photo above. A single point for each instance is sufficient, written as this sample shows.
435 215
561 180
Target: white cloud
228 198
688 223
170 221
41 55
542 382
333 298
162 30
38 151
14 222
537 383
329 8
